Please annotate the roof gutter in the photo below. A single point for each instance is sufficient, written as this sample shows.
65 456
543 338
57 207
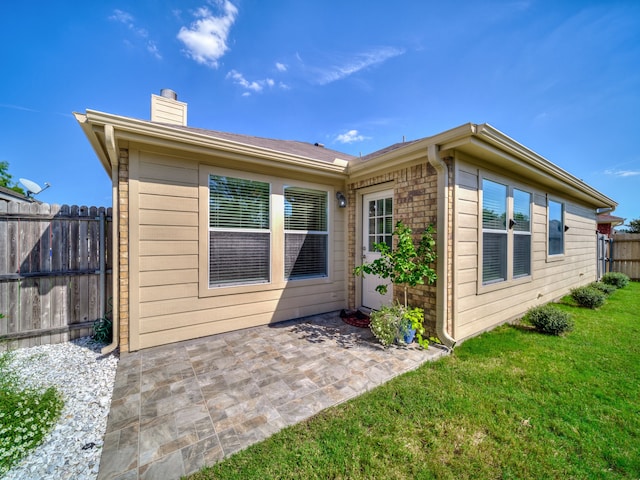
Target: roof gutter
112 153
442 234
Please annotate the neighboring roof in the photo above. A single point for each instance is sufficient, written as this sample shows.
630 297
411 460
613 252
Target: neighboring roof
9 195
612 219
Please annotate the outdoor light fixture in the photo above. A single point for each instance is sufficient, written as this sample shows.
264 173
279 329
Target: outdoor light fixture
566 227
342 200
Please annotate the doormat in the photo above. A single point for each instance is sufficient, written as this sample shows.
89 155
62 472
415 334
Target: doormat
355 318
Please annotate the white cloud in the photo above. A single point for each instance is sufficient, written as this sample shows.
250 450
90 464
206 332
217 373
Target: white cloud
350 137
128 20
355 64
152 48
206 38
256 86
239 79
622 173
281 67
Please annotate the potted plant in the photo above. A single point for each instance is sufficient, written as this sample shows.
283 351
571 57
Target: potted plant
406 265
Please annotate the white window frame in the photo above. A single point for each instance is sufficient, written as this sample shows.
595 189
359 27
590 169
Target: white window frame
510 279
324 233
554 257
240 230
277 242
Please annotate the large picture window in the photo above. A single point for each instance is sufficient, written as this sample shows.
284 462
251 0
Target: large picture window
239 231
306 233
506 232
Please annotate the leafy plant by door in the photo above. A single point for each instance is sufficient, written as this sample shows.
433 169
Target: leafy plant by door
406 265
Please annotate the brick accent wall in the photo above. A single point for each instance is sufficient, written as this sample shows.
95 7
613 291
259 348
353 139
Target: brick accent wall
415 191
123 248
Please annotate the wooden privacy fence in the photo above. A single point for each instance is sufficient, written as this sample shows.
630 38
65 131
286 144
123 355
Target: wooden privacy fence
55 272
626 254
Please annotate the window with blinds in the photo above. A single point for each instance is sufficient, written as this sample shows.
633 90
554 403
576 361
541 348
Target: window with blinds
506 232
494 232
239 231
521 233
306 236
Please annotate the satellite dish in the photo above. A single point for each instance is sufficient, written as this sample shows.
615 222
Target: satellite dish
32 187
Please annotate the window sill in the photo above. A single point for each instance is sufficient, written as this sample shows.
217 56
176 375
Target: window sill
492 287
555 258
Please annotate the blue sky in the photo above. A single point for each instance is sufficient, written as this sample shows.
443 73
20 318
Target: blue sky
560 77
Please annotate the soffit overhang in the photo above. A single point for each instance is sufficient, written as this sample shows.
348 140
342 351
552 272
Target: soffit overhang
96 126
498 151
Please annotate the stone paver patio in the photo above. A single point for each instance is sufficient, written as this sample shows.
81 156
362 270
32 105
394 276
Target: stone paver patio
179 407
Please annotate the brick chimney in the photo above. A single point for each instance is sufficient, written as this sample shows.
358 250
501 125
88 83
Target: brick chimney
165 108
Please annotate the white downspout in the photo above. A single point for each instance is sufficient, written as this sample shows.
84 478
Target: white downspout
442 235
115 254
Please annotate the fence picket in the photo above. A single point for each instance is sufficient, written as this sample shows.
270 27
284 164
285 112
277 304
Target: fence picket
49 259
626 254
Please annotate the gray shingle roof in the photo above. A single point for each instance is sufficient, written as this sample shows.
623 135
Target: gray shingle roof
293 147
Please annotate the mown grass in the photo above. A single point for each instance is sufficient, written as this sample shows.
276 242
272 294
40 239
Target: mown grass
510 404
26 415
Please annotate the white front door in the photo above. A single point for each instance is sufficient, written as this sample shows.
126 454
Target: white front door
377 227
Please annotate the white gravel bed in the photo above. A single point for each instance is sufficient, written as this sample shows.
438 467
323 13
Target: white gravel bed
85 378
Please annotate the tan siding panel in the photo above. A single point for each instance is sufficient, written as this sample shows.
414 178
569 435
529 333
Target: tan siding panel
168 262
176 174
467 221
169 190
467 207
178 204
467 235
293 296
148 279
179 219
467 275
467 248
154 247
168 292
168 233
468 179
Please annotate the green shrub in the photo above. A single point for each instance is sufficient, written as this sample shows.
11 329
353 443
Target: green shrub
588 297
549 319
605 288
386 323
619 280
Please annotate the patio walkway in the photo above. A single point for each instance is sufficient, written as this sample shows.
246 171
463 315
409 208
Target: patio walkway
179 407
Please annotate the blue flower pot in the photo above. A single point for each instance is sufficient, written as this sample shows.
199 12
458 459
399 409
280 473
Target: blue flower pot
409 335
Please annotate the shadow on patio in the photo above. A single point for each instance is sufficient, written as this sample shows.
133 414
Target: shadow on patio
178 407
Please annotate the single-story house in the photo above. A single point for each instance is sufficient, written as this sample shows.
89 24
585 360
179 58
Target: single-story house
220 231
10 195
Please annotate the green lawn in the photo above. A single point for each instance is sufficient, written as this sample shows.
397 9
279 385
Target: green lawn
511 403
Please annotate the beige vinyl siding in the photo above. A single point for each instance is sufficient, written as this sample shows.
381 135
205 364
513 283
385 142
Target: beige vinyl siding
476 309
166 259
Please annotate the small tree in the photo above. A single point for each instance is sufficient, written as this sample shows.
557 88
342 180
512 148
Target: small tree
634 226
6 178
407 265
